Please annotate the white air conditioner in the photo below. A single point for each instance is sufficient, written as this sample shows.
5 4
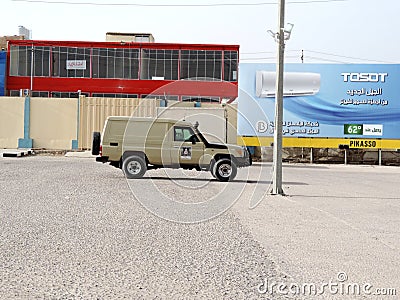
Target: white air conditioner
294 84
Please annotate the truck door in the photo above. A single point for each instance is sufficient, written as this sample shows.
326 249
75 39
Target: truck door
187 149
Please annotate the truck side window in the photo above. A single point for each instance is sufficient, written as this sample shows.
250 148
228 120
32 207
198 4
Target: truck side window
182 134
178 134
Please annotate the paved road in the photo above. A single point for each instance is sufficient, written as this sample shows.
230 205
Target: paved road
337 220
71 228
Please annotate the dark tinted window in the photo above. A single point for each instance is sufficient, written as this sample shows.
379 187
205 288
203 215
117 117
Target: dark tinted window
201 65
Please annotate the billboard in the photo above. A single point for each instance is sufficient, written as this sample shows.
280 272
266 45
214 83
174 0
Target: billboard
322 100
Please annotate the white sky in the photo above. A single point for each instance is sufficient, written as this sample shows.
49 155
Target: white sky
365 29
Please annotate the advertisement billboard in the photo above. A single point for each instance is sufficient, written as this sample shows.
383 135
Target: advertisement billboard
345 101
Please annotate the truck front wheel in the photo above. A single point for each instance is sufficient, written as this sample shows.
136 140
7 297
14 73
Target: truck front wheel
134 167
224 170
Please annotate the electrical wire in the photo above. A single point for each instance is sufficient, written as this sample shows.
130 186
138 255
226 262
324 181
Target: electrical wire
265 52
176 5
326 59
267 58
256 53
331 57
258 58
344 56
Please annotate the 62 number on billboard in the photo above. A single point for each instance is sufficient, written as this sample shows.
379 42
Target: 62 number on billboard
356 129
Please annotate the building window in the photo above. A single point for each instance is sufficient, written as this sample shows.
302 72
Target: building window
71 62
15 93
41 62
67 94
230 65
99 95
160 97
159 64
39 94
115 63
21 61
201 65
200 99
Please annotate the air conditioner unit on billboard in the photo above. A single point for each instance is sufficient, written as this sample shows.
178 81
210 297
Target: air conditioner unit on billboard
294 84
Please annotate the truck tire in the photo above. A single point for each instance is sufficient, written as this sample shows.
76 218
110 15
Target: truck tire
134 167
212 164
96 143
224 170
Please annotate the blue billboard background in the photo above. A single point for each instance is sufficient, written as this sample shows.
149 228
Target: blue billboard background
353 100
2 71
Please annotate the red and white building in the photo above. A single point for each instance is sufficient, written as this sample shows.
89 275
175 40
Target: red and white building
184 72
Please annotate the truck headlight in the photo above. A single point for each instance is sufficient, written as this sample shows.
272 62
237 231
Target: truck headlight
239 152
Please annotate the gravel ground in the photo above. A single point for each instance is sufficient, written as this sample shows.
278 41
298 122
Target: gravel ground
71 228
338 223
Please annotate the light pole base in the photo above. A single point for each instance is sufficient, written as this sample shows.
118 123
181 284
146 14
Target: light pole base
277 191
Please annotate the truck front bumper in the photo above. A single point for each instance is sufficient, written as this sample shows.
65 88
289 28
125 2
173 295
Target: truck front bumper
243 161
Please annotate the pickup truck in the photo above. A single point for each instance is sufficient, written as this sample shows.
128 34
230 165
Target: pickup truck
136 145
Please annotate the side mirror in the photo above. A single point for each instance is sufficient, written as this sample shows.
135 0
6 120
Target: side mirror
193 139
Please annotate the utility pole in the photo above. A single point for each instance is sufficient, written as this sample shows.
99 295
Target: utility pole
277 155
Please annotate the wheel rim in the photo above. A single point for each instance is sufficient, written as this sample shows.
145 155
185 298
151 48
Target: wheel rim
225 170
134 167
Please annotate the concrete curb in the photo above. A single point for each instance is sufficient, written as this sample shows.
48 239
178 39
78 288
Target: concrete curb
15 152
27 152
80 154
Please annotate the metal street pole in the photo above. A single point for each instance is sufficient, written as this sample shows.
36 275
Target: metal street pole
277 155
32 68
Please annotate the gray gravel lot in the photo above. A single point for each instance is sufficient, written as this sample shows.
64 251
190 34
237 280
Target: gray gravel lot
71 228
335 219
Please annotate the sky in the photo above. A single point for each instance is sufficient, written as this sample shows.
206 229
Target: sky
337 31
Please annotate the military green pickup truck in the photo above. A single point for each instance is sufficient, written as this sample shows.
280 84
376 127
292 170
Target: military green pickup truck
139 144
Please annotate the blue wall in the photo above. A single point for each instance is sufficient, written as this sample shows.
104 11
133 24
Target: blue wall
2 71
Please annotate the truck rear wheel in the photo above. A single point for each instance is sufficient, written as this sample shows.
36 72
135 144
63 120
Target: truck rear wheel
134 167
224 170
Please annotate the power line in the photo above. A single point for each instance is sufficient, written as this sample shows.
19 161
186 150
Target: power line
264 52
325 59
175 5
258 58
314 57
349 57
268 58
256 53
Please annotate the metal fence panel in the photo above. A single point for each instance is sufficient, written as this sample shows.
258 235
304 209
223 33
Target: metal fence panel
94 112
